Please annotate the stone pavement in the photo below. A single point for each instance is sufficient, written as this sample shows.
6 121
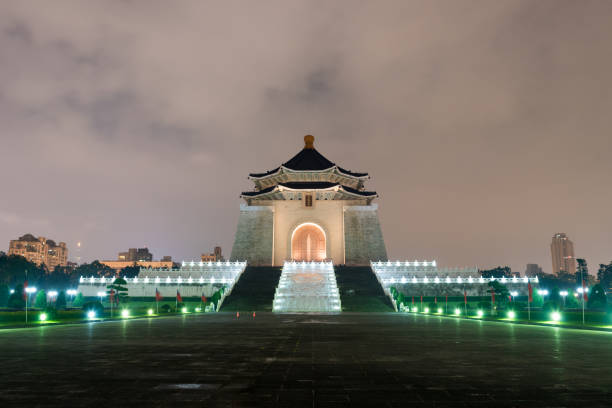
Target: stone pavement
305 360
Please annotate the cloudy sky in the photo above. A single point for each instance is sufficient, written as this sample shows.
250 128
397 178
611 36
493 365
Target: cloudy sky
486 125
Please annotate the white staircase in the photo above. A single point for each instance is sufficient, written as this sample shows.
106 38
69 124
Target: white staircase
307 287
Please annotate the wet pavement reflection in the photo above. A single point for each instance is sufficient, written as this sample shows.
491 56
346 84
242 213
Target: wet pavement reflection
304 360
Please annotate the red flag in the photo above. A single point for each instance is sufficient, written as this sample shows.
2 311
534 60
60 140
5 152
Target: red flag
25 286
204 299
509 298
464 297
492 296
112 295
436 300
178 296
446 300
158 295
413 300
530 288
421 298
584 292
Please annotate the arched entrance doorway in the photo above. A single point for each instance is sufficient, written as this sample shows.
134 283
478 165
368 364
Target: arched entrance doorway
308 243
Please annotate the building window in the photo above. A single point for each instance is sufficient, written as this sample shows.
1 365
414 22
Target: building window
308 200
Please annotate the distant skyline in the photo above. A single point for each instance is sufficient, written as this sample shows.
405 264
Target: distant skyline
485 126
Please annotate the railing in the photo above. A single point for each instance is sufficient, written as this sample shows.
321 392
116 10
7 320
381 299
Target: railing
157 280
448 279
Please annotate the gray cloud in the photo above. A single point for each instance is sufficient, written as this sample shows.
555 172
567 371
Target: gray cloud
485 125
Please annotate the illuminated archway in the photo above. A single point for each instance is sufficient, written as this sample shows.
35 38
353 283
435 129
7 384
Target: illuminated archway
308 243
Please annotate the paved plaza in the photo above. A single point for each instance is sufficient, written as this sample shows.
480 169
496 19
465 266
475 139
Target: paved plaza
305 360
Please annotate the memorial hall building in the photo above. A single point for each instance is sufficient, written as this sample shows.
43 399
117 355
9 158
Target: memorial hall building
309 209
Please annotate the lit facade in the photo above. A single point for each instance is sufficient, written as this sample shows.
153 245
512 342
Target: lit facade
309 209
118 265
40 250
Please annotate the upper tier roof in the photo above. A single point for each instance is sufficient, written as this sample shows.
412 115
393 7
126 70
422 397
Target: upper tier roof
309 186
308 159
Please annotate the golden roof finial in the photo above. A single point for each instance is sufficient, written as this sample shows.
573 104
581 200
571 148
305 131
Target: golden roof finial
309 142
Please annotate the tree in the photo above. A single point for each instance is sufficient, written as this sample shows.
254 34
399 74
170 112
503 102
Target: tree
41 299
60 302
555 299
130 271
16 300
561 281
597 297
78 300
95 269
498 272
582 272
604 275
13 267
501 291
4 294
56 279
120 290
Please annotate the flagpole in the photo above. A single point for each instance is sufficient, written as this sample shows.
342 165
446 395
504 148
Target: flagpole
529 298
26 295
582 283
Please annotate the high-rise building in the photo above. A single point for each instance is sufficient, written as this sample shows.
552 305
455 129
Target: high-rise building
135 255
533 270
40 250
562 251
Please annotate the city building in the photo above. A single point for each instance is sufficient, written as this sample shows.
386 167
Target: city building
533 270
139 257
215 256
136 254
40 251
562 251
309 209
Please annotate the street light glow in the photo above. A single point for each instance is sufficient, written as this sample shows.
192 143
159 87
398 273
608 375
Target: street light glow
53 293
125 313
101 294
91 314
563 293
457 312
480 313
42 317
31 289
150 312
514 293
184 310
555 316
511 314
426 310
440 310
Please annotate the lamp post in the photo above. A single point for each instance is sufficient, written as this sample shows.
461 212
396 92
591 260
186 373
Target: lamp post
543 293
101 296
582 292
563 294
514 294
72 293
28 291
